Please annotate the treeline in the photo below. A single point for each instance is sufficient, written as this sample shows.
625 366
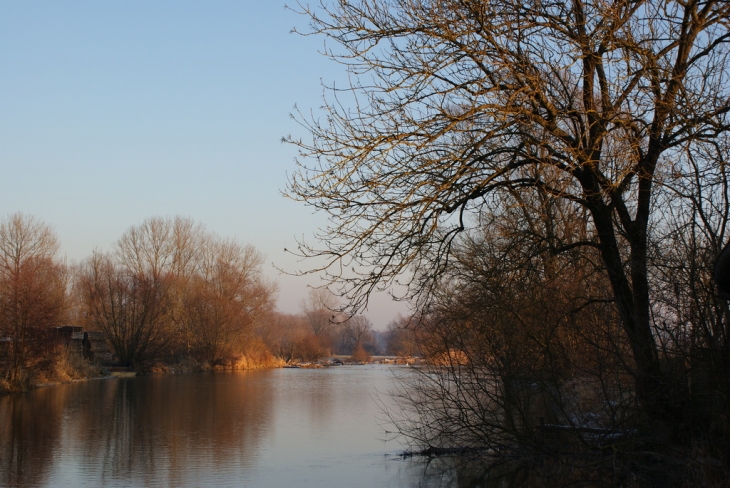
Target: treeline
169 292
321 330
170 289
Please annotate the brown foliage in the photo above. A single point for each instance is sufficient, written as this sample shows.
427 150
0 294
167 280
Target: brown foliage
225 300
172 290
32 294
132 309
360 354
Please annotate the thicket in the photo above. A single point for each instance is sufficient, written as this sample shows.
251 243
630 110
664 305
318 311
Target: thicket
170 290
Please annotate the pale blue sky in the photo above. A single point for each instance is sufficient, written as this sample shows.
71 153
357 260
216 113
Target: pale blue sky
112 112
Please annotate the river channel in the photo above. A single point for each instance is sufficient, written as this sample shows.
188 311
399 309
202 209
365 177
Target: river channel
276 428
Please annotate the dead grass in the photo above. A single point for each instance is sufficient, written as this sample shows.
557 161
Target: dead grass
63 366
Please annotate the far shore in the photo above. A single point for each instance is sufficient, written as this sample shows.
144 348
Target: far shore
111 372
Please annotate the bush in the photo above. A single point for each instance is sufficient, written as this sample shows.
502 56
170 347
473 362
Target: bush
360 354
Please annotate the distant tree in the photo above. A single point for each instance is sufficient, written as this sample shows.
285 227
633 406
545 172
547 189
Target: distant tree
283 334
359 353
321 310
169 250
401 337
160 247
134 294
189 240
170 288
311 347
355 332
32 290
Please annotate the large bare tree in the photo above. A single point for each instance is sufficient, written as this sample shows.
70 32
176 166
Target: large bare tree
454 103
132 308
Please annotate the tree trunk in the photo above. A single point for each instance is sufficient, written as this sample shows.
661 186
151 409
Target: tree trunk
632 302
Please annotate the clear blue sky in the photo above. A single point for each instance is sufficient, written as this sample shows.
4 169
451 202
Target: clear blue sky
113 112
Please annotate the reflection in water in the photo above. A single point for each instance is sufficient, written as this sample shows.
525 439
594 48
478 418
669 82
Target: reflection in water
152 427
29 430
150 430
266 428
474 472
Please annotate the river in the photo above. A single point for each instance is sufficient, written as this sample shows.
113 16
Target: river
275 428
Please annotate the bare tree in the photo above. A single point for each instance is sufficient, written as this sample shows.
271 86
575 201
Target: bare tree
690 320
189 241
355 331
152 262
173 289
226 299
321 310
148 249
32 289
401 337
135 294
284 334
457 104
131 307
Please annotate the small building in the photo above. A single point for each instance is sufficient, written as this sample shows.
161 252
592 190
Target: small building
96 347
73 338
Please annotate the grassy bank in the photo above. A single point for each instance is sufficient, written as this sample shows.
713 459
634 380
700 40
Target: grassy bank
235 363
62 367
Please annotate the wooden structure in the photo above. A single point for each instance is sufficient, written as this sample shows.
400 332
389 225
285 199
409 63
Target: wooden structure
96 347
73 338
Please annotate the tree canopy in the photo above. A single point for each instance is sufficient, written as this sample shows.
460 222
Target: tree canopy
454 105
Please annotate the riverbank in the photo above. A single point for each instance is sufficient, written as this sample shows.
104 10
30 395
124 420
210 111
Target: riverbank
65 368
342 360
70 368
237 363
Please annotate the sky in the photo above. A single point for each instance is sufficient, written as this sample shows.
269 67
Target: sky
113 112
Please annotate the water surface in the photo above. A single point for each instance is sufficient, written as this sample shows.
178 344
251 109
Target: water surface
283 427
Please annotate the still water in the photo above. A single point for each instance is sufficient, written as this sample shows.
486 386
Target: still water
277 428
